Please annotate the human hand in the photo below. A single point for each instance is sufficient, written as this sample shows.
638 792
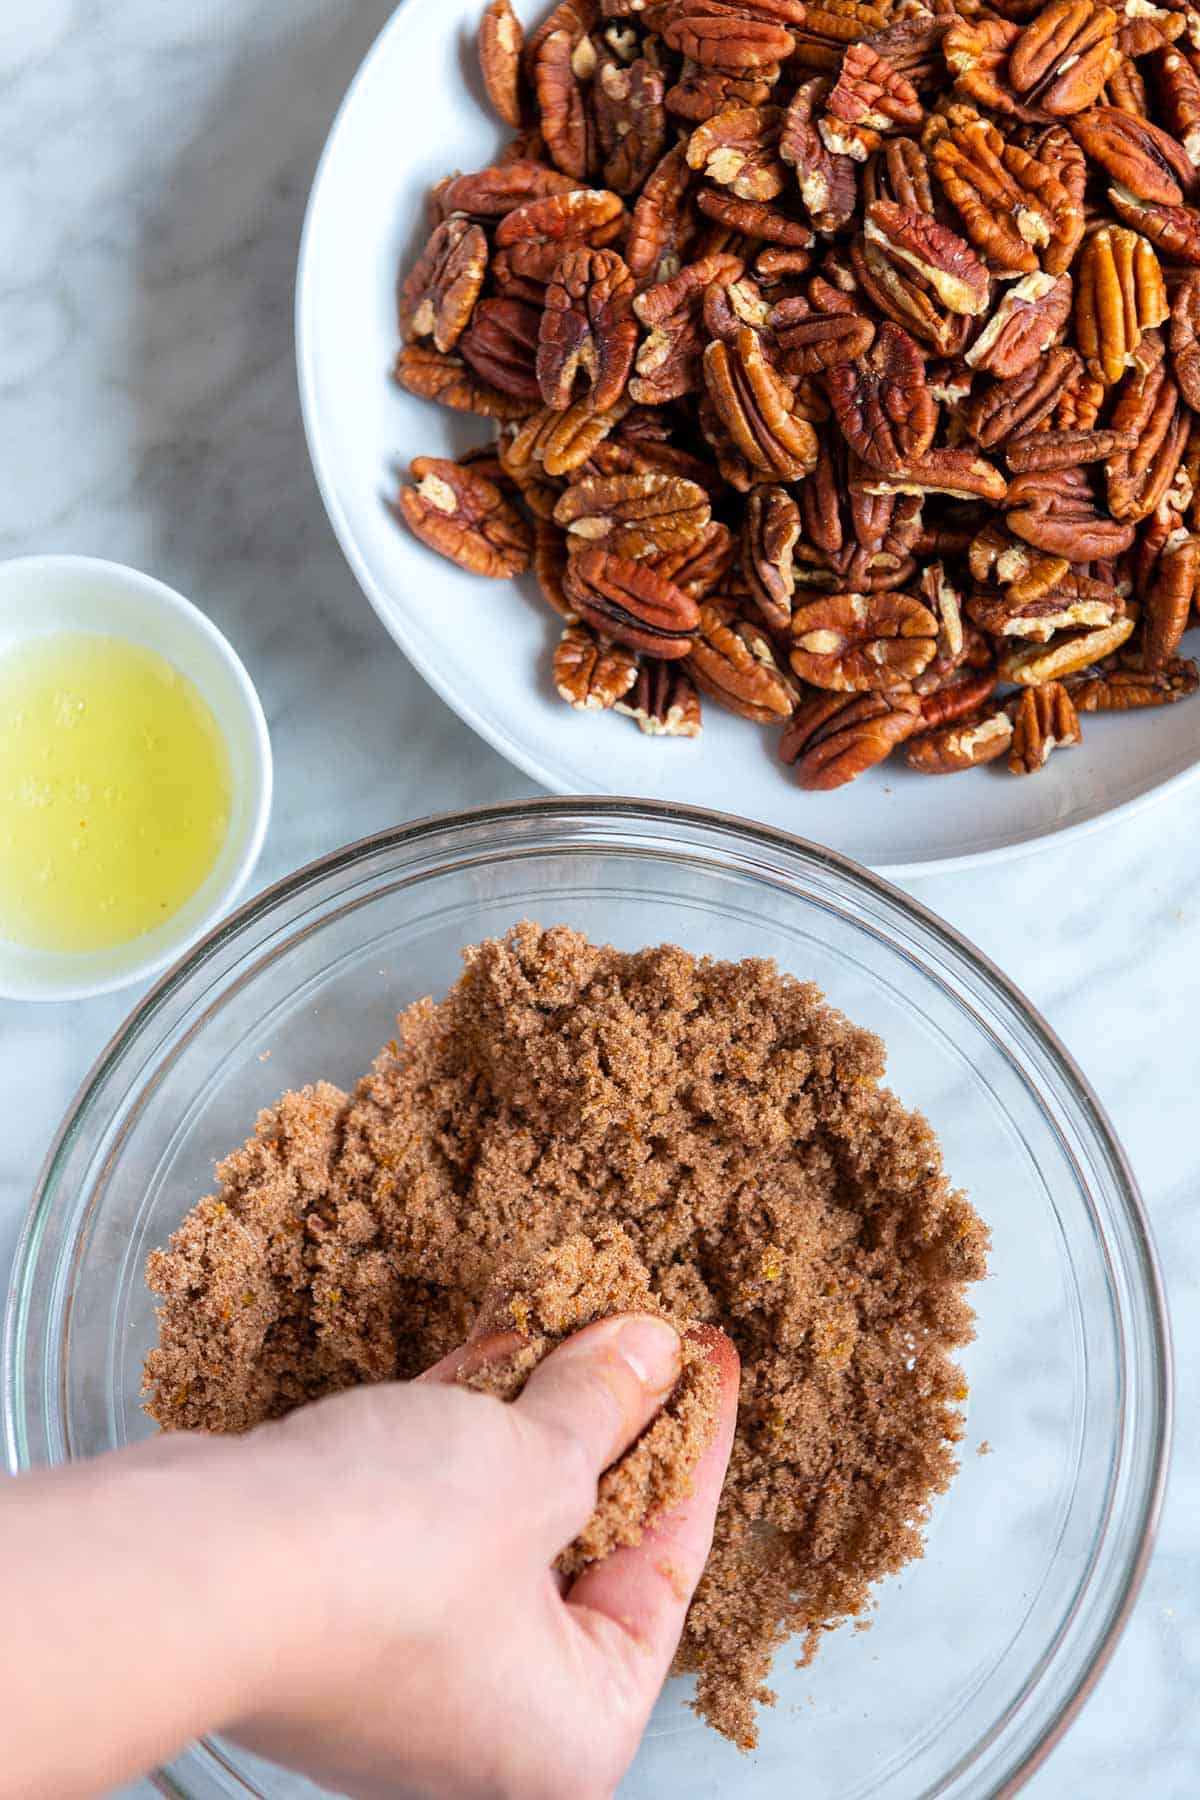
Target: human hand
431 1650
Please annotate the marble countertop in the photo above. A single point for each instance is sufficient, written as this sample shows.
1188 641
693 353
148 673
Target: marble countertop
156 161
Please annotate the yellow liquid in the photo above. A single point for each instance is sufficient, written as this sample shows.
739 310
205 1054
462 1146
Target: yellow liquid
115 791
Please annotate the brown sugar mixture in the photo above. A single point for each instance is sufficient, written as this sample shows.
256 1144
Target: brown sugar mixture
734 1128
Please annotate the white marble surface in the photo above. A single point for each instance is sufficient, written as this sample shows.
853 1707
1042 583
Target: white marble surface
154 162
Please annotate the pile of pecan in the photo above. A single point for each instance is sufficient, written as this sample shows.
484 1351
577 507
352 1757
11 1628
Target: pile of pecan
843 355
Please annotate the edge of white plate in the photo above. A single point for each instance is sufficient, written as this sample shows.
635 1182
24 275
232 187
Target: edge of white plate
500 740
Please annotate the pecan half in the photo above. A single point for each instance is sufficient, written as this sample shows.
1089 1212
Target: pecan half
936 253
832 738
1119 294
1057 513
501 345
1022 402
631 121
1170 600
1148 410
1031 316
810 340
770 529
717 39
827 181
566 120
584 215
660 223
591 675
588 333
1175 230
961 696
957 473
1074 602
855 643
1064 655
500 43
436 299
1065 449
1185 338
550 566
1136 153
632 603
968 743
558 443
465 517
882 404
1065 55
1124 690
491 193
736 148
663 701
634 515
432 376
870 97
731 661
1179 97
1015 210
757 408
702 565
1044 720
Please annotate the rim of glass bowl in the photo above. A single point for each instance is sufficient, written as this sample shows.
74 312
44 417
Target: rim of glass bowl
39 1296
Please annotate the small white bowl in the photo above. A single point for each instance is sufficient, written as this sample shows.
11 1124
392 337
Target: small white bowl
44 594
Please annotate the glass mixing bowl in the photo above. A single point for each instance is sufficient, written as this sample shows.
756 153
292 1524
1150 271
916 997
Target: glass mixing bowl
978 1655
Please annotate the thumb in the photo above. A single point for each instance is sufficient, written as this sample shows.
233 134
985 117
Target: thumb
588 1401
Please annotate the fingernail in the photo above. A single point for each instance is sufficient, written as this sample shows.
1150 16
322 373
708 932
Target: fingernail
651 1348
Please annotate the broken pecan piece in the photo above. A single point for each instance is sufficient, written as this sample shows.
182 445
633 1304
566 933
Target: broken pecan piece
855 643
465 518
632 603
832 738
634 515
1044 720
591 675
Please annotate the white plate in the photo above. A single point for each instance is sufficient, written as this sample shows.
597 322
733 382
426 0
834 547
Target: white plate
415 112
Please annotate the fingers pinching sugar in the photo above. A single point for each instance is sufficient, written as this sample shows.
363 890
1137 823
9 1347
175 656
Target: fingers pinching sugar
645 1589
589 1400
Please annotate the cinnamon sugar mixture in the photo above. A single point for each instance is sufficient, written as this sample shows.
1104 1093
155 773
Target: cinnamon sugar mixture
735 1129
